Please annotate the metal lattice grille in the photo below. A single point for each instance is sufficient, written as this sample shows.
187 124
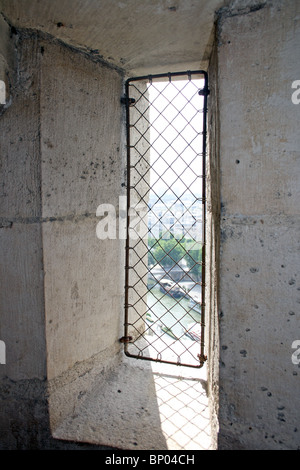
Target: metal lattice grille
165 247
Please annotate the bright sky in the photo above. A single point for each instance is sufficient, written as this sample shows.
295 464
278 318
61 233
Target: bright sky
179 124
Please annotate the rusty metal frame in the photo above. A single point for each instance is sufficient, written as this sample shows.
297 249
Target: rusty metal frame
127 339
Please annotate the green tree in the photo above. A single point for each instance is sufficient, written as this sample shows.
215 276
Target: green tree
171 251
193 260
166 252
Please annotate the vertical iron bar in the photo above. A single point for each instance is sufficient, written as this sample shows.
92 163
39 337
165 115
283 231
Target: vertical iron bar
203 277
127 215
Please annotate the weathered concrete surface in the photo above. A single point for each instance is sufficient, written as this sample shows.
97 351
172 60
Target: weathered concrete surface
142 406
24 418
258 59
61 147
81 169
212 340
81 119
22 324
7 62
22 302
138 36
20 190
59 161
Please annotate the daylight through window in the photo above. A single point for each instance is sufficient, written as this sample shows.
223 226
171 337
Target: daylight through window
165 248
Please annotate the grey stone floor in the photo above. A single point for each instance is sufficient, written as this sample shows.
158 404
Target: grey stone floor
144 405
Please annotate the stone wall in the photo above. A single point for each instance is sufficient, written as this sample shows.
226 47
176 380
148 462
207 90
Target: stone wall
213 245
81 169
258 60
61 287
62 155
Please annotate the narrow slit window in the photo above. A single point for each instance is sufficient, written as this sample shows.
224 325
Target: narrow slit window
166 206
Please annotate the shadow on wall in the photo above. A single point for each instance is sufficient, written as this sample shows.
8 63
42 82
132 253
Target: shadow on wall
143 406
119 410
